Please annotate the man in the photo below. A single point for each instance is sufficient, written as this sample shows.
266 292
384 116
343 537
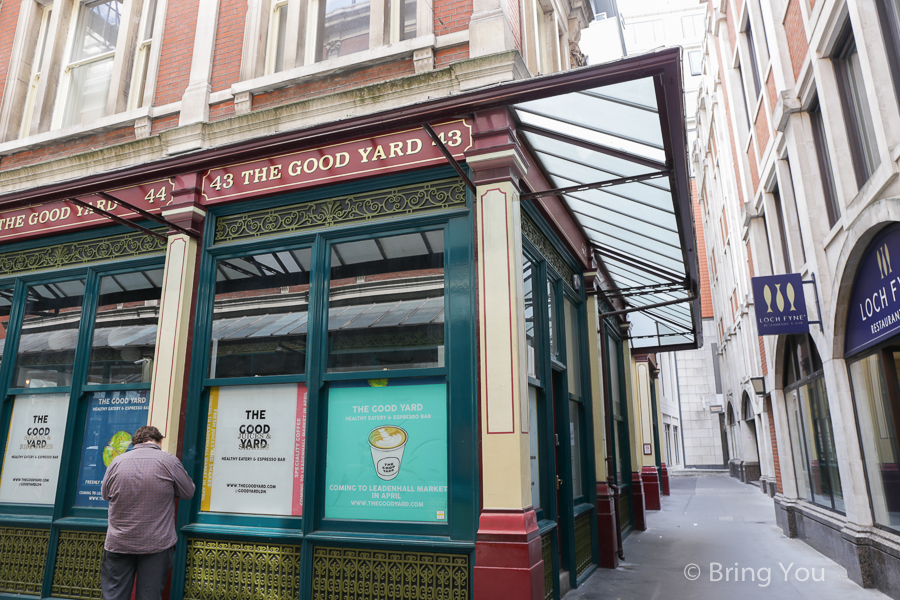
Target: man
141 487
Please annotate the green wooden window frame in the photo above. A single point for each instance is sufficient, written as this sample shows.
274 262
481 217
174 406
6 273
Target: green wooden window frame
312 530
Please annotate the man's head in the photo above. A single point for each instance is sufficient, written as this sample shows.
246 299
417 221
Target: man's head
147 433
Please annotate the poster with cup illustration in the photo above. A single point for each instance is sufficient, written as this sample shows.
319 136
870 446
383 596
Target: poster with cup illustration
386 455
112 418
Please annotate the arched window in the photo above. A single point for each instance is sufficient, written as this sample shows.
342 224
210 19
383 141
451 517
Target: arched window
809 419
747 409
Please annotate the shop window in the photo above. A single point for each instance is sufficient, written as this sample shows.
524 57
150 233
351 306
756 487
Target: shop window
809 418
386 303
855 104
528 276
574 376
875 390
94 331
260 310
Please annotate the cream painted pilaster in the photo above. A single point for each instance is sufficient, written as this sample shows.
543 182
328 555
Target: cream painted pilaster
642 400
598 406
172 336
506 481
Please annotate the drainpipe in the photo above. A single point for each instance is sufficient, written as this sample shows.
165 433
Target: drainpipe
607 402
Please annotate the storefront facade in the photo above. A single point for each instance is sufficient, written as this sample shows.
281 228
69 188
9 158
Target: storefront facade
379 366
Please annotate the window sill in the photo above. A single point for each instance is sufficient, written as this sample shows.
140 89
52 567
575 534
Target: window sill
293 76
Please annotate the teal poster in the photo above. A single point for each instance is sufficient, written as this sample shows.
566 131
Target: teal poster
387 450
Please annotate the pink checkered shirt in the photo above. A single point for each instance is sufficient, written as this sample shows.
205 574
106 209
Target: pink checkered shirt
141 487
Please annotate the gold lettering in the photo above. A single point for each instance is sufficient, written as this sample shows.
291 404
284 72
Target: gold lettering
295 168
101 204
275 172
365 154
379 153
9 223
339 156
330 160
43 216
409 146
20 220
246 175
396 149
314 162
54 215
259 175
64 214
32 219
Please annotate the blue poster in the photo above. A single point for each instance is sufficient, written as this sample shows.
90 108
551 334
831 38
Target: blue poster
387 450
780 304
112 418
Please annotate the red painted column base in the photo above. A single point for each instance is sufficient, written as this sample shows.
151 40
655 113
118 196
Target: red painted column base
606 526
664 479
638 508
508 557
650 478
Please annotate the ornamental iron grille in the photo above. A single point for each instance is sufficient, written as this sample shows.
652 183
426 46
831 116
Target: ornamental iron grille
350 574
583 555
533 234
23 553
241 571
391 203
547 552
77 572
70 254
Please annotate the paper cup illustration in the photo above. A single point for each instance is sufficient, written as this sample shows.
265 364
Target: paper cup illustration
387 443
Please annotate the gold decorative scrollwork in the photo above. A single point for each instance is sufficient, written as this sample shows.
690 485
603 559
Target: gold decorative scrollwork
584 557
77 572
352 574
320 214
533 234
241 571
23 553
79 253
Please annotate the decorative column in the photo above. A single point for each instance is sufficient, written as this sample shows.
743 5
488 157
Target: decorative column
646 446
508 557
175 329
638 507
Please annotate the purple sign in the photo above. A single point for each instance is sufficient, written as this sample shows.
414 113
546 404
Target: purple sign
874 311
780 304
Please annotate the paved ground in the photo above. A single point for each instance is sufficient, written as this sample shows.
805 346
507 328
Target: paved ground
710 521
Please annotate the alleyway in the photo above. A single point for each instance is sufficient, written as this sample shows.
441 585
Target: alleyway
716 520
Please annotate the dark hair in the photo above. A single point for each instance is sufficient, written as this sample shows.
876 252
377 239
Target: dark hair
147 433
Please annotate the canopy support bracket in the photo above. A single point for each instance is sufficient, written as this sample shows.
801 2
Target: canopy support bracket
440 144
119 219
150 216
596 186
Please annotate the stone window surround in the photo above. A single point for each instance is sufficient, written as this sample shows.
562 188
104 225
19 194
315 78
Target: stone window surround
50 92
540 55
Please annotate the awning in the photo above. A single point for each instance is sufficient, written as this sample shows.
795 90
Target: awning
615 154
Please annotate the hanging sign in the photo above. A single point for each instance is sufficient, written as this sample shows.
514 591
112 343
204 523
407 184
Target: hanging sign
392 152
57 217
873 314
112 419
386 456
255 450
780 304
33 449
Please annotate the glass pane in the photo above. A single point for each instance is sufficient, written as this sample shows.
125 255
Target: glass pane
346 25
112 419
825 442
573 349
615 393
798 448
49 335
33 449
528 272
386 304
575 443
150 19
861 108
280 20
88 91
879 437
255 450
407 18
98 30
551 319
535 452
5 305
259 315
124 341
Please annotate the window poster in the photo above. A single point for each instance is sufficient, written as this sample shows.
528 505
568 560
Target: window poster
112 418
255 449
33 449
387 450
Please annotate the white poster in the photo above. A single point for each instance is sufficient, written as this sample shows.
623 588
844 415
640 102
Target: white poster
33 449
255 448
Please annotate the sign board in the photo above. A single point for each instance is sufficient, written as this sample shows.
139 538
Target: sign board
716 408
386 456
255 449
874 310
112 419
648 449
57 217
345 161
34 449
780 304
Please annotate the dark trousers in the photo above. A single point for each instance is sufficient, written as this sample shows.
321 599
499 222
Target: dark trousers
117 574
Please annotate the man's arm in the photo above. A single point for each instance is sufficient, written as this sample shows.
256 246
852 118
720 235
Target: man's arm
184 487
